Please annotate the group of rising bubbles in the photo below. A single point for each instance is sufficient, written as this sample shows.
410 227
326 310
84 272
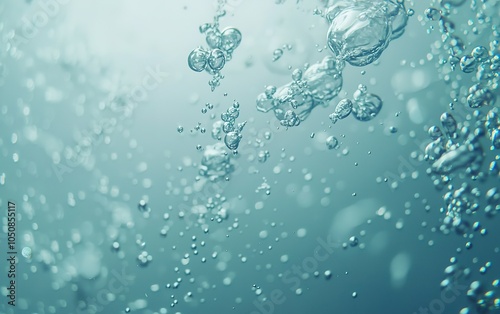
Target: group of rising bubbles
221 45
358 34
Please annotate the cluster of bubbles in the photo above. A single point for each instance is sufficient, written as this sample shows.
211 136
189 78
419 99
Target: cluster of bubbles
492 125
460 203
358 34
453 42
456 153
144 259
453 273
216 162
364 107
455 148
459 147
228 125
482 61
264 186
221 45
317 85
456 156
361 30
484 296
485 64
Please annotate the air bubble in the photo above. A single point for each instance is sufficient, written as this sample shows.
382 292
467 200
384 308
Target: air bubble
198 59
332 142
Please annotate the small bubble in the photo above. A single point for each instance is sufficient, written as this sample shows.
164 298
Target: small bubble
353 241
277 54
332 142
26 252
143 206
328 274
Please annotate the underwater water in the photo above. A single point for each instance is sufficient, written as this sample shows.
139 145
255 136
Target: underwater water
250 156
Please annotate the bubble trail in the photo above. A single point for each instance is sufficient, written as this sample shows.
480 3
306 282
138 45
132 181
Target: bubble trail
221 45
359 32
293 102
